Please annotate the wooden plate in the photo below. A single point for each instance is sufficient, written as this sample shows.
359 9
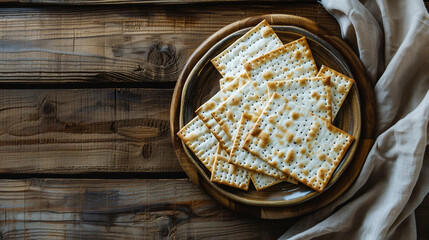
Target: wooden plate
200 80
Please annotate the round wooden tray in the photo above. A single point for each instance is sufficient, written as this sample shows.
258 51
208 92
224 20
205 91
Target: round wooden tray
283 200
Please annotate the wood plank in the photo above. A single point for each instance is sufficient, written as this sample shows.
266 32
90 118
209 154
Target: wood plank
86 130
124 209
104 2
120 44
130 208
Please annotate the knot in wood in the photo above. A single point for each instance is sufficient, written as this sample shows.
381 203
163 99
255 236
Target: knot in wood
147 150
48 108
162 55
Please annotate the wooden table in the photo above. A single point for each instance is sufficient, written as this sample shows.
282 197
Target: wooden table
85 148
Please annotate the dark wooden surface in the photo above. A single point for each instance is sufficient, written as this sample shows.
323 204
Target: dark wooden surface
86 130
85 97
121 209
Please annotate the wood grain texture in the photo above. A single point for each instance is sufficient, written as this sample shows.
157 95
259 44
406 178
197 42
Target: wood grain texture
85 130
121 44
110 2
130 44
121 209
129 209
141 2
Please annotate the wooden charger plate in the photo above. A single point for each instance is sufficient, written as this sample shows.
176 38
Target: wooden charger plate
200 80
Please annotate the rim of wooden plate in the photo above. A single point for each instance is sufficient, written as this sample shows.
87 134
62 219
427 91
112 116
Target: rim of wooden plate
266 208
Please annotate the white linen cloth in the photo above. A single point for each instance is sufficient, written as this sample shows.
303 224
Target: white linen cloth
391 37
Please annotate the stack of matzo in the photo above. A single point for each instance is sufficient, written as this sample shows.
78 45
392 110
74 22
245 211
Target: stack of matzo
271 120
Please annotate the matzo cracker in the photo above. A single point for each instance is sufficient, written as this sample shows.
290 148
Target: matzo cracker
248 99
200 140
261 181
297 142
243 158
259 40
205 111
340 87
229 174
292 60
